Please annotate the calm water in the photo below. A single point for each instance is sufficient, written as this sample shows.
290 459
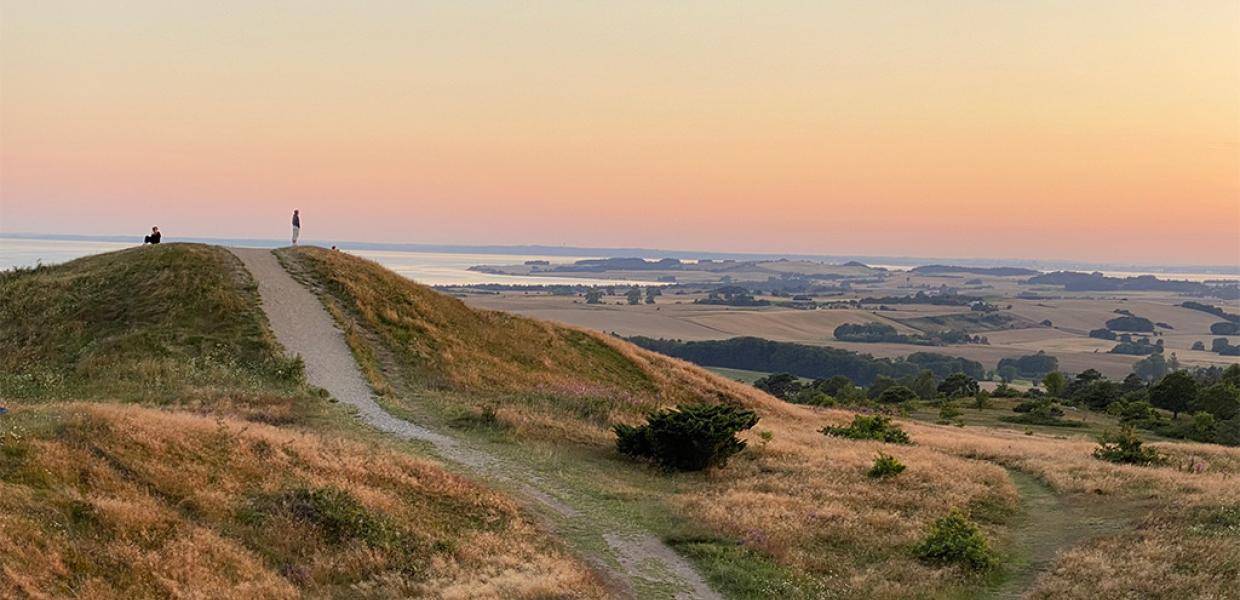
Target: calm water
431 268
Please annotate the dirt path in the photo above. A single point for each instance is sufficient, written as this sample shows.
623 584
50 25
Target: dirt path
1051 523
304 327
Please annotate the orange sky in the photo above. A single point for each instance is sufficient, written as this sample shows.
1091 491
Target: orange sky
1099 131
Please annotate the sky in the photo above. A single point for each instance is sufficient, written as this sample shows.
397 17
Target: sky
1102 131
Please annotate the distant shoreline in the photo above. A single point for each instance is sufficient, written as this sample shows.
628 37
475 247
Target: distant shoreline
577 251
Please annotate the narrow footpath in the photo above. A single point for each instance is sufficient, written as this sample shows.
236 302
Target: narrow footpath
1050 523
303 326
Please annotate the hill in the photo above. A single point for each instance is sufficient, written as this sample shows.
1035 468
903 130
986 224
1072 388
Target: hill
141 457
794 511
542 372
235 477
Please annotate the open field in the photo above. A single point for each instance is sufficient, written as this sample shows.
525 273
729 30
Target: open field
695 322
1071 314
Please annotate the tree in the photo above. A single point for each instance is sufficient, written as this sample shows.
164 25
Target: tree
1007 373
924 385
781 385
1199 345
634 296
834 385
1231 376
897 394
881 383
958 385
1221 400
594 297
1132 383
1151 368
1175 393
1055 384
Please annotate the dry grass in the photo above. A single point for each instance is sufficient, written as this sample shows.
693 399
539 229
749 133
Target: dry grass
174 323
803 499
123 502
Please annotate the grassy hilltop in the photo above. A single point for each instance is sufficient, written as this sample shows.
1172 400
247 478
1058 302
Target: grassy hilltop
177 332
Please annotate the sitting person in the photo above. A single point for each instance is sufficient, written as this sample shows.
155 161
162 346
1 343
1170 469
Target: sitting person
153 238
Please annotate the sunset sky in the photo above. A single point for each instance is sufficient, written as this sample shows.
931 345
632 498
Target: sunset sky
1106 131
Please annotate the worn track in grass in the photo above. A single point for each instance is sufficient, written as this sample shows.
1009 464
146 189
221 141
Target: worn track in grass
642 562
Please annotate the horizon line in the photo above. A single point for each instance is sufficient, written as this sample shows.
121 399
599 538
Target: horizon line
637 252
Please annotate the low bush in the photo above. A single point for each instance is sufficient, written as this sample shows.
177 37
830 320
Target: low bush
885 466
869 427
1125 447
954 540
691 437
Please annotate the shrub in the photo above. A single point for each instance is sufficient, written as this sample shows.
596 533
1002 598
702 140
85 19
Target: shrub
1126 448
691 437
869 427
897 394
885 465
1042 406
958 385
954 539
949 411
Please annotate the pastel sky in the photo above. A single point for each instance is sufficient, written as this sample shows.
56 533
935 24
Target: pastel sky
1091 130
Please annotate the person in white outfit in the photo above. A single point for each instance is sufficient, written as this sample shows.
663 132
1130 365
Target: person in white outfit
296 225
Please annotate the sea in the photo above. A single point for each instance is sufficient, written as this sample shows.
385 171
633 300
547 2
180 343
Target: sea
428 268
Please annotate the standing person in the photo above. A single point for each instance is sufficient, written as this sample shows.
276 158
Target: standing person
296 225
153 238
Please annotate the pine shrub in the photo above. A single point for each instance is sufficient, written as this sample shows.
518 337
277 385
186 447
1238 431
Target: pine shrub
691 437
885 466
869 427
955 540
1126 448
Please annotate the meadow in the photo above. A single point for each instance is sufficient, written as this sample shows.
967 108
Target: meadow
148 451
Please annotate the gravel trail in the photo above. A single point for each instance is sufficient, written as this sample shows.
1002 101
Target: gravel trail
303 327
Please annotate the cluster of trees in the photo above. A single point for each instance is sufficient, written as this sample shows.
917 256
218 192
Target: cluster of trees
1097 282
995 271
1211 396
1031 366
1138 346
1224 347
1214 310
633 296
731 295
942 299
881 332
829 391
1225 328
1131 322
757 354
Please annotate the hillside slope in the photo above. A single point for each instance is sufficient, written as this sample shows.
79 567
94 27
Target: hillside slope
196 493
794 514
540 372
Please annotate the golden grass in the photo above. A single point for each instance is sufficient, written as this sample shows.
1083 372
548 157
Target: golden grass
106 501
803 499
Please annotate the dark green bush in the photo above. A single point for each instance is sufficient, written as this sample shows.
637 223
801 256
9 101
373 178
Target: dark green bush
954 540
885 465
869 427
1126 448
691 437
